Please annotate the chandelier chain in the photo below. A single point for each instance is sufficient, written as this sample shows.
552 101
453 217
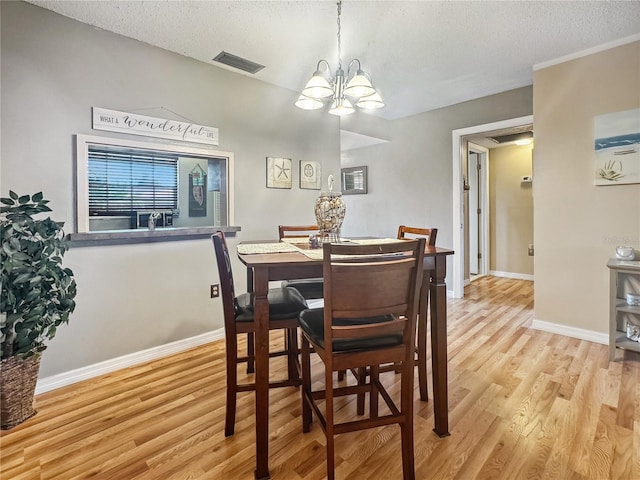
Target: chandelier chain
339 43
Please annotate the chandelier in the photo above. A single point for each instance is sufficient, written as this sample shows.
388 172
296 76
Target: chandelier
358 87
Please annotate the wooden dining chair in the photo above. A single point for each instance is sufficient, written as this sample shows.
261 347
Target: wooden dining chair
368 319
310 288
284 306
430 235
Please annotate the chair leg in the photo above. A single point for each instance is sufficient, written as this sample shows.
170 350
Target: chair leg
306 385
291 343
422 343
329 420
231 345
250 353
362 379
406 427
341 375
374 371
397 367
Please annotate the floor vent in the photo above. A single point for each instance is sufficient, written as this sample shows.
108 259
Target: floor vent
238 62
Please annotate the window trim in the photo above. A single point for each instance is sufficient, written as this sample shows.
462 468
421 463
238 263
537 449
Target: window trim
82 177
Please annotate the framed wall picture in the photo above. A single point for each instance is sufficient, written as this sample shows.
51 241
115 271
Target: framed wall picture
278 172
617 148
197 192
354 180
310 175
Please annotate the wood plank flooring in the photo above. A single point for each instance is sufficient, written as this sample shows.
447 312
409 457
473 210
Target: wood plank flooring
523 404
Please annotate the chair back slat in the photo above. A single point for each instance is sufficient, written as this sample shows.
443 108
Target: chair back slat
428 233
390 327
363 282
292 231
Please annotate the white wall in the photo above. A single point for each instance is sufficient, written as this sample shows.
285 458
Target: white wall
134 297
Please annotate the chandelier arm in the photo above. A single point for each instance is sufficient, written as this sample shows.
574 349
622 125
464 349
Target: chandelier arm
349 67
326 63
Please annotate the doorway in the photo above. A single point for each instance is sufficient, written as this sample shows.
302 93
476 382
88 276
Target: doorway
460 222
477 193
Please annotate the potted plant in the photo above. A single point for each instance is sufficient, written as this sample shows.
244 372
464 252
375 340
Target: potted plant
37 295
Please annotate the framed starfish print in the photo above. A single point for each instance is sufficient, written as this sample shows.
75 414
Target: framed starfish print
278 172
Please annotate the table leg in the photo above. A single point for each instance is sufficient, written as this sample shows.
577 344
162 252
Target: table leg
261 319
250 340
438 294
422 336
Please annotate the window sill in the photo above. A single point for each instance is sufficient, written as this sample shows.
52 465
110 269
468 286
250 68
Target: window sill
123 237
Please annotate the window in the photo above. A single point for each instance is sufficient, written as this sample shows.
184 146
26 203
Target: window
354 180
121 184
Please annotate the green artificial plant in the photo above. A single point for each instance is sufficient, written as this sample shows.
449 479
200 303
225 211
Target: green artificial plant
37 293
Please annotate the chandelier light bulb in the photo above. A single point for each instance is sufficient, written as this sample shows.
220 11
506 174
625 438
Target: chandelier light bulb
359 86
308 103
317 87
370 102
341 106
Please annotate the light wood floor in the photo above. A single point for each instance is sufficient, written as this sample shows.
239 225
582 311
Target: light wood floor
524 404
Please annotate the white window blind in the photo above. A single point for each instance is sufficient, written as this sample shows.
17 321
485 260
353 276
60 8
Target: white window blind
122 182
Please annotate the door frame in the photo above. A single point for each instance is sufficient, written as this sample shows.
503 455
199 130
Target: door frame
458 155
483 203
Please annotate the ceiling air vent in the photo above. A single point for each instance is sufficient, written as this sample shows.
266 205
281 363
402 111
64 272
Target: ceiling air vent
238 62
512 137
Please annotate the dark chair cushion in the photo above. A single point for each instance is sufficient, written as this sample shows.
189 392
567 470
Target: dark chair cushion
310 288
283 303
312 323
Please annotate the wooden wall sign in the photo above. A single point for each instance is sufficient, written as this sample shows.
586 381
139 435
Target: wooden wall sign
134 124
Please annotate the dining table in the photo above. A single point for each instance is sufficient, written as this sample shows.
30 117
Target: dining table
271 260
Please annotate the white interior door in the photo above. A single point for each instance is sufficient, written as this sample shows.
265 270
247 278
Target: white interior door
474 213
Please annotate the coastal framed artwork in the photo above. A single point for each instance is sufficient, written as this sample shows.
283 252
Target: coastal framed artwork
617 148
278 172
310 175
354 180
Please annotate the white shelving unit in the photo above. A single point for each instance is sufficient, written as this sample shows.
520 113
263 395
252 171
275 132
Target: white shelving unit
624 278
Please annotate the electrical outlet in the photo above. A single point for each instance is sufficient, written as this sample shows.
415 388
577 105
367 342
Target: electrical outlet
530 250
215 291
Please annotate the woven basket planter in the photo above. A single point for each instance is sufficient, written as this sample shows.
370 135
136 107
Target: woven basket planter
17 389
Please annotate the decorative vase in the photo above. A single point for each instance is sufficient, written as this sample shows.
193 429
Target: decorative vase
330 210
17 389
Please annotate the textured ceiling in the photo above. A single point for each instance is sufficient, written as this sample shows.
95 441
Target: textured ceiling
421 55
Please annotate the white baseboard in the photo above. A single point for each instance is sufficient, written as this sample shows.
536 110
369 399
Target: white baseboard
574 332
516 276
67 378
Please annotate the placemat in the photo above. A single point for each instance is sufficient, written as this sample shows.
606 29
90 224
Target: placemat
316 254
275 247
295 240
373 241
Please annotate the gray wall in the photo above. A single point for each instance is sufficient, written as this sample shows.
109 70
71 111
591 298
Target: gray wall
140 296
134 297
411 176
